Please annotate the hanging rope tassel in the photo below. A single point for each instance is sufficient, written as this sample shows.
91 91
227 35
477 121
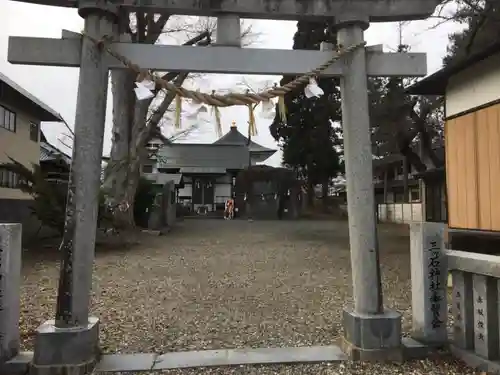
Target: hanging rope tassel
251 121
282 108
218 121
178 110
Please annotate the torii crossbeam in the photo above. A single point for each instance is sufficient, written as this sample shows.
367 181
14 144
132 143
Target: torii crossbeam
214 59
370 331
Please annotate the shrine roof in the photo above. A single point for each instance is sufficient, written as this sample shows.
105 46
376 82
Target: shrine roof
234 137
49 152
187 156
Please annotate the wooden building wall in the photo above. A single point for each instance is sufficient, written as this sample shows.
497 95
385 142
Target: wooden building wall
473 169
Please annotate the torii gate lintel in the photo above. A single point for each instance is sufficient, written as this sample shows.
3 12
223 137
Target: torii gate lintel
291 10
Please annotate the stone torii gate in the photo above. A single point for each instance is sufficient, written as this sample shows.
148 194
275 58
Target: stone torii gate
371 332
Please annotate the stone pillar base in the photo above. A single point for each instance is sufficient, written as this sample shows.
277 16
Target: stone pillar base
66 351
372 337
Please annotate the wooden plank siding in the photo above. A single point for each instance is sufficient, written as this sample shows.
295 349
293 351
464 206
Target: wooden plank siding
473 169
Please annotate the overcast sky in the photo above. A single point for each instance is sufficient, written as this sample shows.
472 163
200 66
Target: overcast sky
57 87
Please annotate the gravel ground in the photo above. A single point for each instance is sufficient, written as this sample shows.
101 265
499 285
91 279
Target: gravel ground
224 284
442 366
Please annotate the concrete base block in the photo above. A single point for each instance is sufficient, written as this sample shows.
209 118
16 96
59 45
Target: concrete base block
372 337
66 351
414 349
19 365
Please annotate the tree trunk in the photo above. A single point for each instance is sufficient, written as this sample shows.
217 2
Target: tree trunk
139 133
324 194
310 194
131 130
117 170
420 123
123 105
386 183
129 119
428 149
406 192
137 155
404 145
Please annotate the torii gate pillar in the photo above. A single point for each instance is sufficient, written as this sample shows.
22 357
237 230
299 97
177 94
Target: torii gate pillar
71 341
370 333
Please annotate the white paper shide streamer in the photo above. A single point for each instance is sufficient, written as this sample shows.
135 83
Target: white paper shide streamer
312 90
196 109
268 109
143 89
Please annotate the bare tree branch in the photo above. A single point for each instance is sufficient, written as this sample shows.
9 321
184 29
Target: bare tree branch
157 28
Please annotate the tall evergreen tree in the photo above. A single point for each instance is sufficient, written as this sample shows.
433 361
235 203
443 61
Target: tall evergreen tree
309 137
400 120
481 21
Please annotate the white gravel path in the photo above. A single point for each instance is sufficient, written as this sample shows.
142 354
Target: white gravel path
213 284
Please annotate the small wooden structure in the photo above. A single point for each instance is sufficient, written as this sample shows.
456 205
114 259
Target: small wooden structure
264 192
434 197
404 195
472 130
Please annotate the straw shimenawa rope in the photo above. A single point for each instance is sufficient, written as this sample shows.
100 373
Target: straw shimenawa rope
230 99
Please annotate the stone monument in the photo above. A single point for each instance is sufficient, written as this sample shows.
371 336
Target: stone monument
170 204
163 211
429 283
10 287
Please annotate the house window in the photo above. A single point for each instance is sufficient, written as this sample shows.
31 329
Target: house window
34 131
390 197
8 179
7 119
399 197
415 195
147 169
